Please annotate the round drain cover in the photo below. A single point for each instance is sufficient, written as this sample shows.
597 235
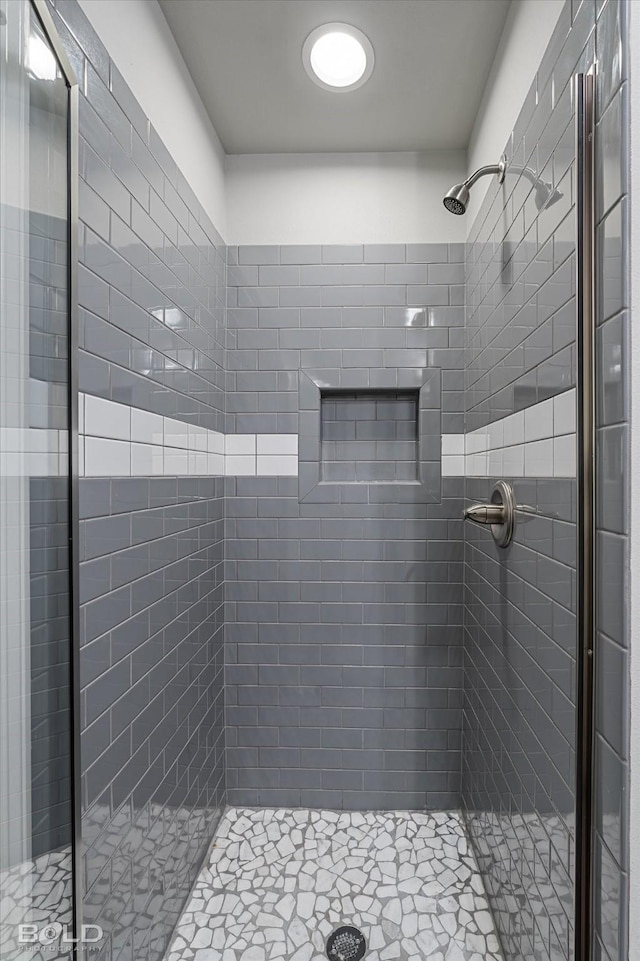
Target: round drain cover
346 944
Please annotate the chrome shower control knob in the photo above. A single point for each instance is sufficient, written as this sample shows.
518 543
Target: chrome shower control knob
485 514
499 513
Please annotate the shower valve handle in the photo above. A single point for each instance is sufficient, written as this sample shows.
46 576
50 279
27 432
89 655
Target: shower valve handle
499 513
486 513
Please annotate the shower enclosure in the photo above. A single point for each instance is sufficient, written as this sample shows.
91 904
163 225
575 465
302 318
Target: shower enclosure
38 767
322 714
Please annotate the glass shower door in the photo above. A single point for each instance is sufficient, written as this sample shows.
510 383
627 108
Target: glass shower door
529 604
36 797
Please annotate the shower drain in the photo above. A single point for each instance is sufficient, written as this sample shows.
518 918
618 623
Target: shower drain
346 944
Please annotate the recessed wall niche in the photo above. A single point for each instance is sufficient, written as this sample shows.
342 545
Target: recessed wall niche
369 435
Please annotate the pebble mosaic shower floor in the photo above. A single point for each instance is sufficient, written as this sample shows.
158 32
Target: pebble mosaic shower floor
278 882
36 892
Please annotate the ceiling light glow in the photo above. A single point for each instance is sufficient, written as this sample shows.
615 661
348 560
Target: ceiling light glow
338 57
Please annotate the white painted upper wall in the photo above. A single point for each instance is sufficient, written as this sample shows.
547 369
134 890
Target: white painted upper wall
526 35
318 198
142 47
388 197
342 198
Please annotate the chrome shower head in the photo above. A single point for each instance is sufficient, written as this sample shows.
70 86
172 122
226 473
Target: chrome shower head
456 199
546 194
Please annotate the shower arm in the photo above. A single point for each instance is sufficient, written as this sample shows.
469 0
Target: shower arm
487 171
530 175
501 169
456 199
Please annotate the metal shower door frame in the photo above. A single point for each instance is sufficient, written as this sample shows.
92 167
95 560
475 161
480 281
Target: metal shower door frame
584 92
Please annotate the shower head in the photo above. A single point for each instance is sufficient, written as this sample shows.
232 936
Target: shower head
546 194
457 199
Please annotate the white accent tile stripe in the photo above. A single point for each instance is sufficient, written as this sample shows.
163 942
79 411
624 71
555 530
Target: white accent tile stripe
33 452
117 440
537 442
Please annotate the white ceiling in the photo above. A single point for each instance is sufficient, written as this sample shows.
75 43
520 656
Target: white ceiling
432 61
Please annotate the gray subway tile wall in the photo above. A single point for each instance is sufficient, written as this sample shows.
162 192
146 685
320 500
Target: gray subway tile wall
343 678
519 650
368 437
51 791
151 336
43 249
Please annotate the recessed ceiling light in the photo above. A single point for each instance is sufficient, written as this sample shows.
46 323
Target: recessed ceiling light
338 57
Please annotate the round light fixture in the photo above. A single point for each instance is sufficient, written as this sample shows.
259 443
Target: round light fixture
338 57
